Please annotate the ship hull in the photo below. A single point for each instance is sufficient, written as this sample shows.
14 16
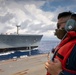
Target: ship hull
19 42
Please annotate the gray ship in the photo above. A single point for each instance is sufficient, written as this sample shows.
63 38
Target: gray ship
19 42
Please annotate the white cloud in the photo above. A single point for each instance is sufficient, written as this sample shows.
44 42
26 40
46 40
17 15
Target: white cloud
32 19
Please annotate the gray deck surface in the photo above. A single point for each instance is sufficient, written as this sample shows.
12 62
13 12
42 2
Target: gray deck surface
33 65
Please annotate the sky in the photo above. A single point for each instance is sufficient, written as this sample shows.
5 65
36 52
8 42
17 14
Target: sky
33 16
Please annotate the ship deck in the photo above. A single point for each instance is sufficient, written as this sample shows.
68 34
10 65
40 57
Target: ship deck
32 65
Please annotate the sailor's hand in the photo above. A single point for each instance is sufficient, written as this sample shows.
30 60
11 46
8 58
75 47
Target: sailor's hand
54 68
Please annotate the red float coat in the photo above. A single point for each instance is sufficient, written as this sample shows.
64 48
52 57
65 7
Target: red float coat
64 49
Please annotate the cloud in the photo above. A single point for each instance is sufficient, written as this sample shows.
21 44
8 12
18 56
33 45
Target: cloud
6 17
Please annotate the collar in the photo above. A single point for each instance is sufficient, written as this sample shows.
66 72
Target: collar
70 36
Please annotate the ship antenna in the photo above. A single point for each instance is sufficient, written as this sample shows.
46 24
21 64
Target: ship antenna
17 28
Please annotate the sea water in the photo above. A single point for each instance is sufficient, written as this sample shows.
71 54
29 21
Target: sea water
44 47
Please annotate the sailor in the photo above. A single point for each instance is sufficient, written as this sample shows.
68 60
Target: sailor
64 59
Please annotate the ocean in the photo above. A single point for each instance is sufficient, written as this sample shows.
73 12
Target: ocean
44 47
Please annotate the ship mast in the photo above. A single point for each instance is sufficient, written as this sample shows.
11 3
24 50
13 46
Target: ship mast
17 29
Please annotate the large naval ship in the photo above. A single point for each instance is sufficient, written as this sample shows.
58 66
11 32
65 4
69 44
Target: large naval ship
19 42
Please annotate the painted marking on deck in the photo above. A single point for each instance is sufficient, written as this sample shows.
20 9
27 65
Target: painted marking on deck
21 72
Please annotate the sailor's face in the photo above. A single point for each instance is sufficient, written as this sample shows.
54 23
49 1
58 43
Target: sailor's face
62 22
